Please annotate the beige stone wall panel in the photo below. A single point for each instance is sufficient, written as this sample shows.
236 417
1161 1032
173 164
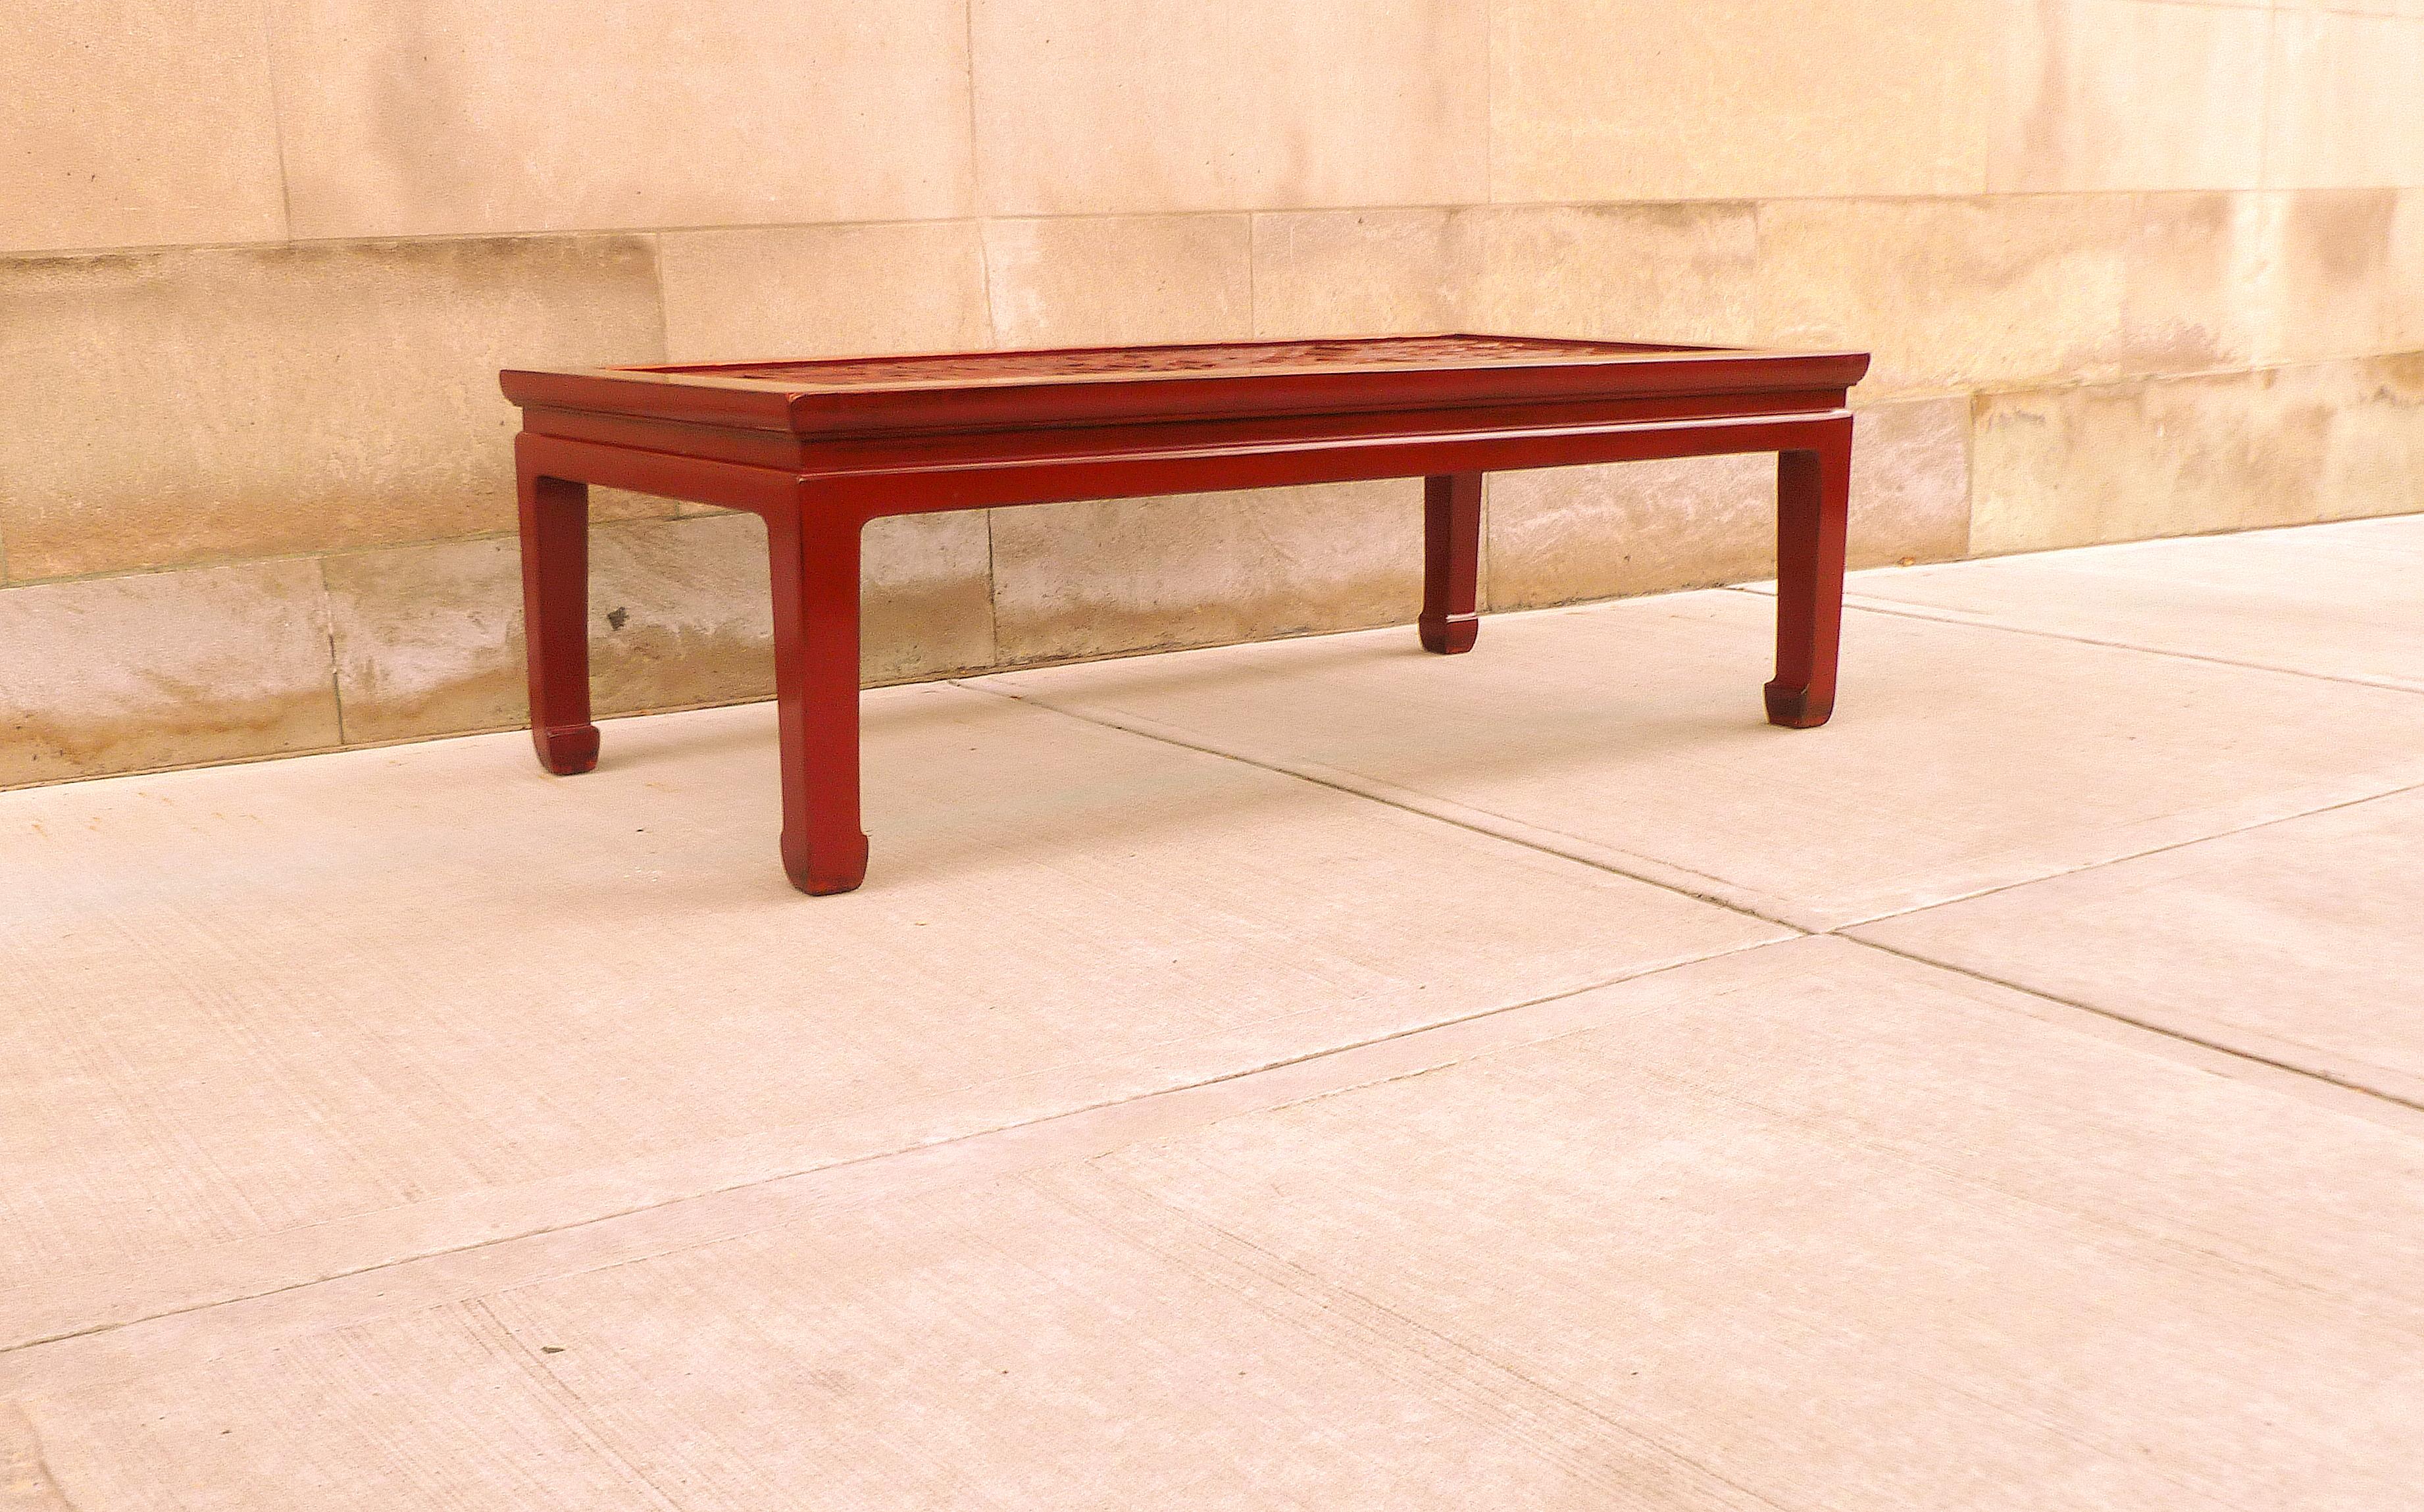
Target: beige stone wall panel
2023 289
2343 106
1563 535
1105 577
1642 271
429 639
1084 281
2069 467
106 140
2361 8
1083 108
680 614
246 402
1597 100
824 290
926 600
2339 274
1910 482
1362 272
2128 94
162 669
412 117
2404 275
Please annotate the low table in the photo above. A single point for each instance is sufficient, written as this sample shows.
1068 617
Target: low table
820 448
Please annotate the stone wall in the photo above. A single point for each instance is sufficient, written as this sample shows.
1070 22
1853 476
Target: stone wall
2130 267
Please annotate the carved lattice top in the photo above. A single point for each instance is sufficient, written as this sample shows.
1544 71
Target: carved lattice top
1260 358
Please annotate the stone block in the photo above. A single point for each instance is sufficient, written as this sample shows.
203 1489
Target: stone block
1173 106
429 639
253 400
1644 272
418 117
108 142
162 669
2013 289
1088 282
2338 270
1565 534
2341 110
1103 576
746 295
2277 446
2128 94
1595 99
1362 272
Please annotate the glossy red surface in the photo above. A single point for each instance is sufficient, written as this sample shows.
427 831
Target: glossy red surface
820 448
1370 355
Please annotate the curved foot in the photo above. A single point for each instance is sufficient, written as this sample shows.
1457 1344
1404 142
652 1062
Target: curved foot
827 869
568 752
1792 709
1449 635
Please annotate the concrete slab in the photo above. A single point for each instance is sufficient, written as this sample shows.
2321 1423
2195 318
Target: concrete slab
405 1128
1806 1226
2297 942
1961 758
2337 600
1856 1239
277 1023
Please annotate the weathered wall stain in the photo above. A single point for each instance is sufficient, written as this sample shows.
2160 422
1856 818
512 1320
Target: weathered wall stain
26 1483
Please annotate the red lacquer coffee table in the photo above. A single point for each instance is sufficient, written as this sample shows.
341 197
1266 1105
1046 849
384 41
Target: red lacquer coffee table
820 447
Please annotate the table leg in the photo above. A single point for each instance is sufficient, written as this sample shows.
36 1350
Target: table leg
1814 495
555 620
1451 562
815 551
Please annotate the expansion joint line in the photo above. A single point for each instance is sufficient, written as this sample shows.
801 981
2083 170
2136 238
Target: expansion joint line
1670 879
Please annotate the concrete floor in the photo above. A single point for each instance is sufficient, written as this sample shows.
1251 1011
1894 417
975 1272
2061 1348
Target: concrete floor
1310 1074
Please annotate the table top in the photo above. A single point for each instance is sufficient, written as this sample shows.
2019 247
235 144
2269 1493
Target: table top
1082 386
967 369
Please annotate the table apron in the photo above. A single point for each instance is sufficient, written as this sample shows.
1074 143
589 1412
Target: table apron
872 493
